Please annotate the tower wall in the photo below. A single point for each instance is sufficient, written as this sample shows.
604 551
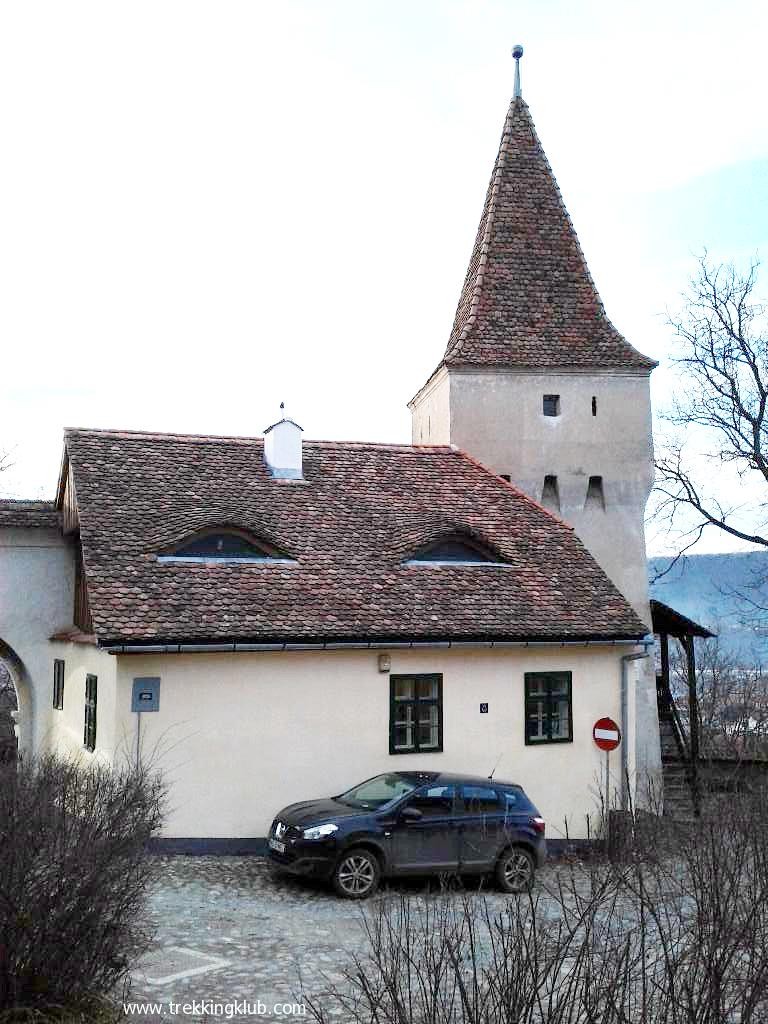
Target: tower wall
431 413
497 417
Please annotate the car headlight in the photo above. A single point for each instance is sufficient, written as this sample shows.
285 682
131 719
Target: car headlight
320 831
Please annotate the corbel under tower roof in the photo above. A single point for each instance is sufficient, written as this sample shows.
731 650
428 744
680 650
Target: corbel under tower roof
528 299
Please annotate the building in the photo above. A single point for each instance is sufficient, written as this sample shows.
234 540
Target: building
538 385
271 620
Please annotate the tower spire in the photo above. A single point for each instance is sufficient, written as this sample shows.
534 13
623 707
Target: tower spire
517 53
528 298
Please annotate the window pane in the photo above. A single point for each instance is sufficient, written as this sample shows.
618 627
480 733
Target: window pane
426 689
404 689
403 737
428 727
559 688
480 799
404 714
537 719
453 551
435 802
220 545
559 721
379 791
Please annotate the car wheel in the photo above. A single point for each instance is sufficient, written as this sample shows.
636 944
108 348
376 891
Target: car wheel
357 874
515 870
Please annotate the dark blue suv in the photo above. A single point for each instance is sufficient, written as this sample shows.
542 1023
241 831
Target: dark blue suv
412 823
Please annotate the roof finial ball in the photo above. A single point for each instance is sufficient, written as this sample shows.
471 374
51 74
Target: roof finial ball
517 53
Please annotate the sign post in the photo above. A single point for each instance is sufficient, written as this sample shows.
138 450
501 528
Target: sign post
145 696
607 736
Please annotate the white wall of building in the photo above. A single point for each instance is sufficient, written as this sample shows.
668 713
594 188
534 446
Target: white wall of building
67 724
239 736
431 415
36 600
498 419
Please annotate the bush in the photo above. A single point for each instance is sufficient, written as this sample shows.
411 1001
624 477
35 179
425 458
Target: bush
74 873
676 933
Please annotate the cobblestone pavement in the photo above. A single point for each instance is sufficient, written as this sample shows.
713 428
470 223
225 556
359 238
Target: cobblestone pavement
228 930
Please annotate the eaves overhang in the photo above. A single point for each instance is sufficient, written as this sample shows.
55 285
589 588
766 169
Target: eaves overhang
216 646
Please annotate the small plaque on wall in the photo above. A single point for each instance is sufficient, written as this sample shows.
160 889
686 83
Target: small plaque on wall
483 709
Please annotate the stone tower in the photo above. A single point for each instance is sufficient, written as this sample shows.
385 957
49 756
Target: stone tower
538 385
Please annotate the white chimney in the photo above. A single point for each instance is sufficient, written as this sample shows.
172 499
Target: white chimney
282 449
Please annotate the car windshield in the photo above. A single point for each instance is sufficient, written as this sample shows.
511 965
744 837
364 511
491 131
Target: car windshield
377 792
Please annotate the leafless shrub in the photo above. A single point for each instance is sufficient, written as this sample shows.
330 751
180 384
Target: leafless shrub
73 877
675 938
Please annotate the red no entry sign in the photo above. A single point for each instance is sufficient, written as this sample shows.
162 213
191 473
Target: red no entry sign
606 734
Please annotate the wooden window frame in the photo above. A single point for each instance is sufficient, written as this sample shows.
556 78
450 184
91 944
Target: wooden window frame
58 684
416 702
530 678
81 615
91 699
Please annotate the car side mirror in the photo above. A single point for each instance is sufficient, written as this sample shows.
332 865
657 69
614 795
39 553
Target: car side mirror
411 814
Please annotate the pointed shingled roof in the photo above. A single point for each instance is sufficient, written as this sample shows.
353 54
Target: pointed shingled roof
528 298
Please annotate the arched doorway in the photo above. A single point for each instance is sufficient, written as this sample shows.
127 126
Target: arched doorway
15 705
9 706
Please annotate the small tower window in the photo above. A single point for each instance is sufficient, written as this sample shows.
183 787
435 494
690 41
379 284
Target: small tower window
594 405
595 497
550 494
551 405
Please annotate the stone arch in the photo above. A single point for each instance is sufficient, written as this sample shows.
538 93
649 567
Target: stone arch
24 696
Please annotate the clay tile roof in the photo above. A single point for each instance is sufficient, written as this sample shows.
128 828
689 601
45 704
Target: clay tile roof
361 511
528 298
39 514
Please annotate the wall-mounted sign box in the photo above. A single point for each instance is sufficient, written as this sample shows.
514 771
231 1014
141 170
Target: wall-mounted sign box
146 694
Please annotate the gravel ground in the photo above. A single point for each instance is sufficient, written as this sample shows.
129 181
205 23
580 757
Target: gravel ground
227 931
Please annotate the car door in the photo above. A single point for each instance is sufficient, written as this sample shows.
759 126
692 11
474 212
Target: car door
431 843
481 827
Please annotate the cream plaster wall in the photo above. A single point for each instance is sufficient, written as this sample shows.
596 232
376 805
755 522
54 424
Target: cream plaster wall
66 732
430 420
241 735
36 595
498 418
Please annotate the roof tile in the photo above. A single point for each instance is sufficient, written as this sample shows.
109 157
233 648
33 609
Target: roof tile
528 299
363 510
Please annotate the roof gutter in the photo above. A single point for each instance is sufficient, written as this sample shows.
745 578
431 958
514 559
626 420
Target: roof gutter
358 645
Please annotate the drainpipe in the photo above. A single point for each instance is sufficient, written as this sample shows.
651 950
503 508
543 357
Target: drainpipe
625 660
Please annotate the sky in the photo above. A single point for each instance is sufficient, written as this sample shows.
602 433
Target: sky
210 208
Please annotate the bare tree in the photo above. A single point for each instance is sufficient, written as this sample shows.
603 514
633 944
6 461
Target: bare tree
732 699
724 354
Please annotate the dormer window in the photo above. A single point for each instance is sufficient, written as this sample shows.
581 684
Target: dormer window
455 550
223 546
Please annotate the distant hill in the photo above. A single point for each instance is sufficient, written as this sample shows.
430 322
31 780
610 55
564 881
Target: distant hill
702 587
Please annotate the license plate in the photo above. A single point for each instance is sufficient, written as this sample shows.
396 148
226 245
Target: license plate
278 847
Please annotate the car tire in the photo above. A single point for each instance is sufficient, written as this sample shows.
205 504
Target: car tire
357 874
515 870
